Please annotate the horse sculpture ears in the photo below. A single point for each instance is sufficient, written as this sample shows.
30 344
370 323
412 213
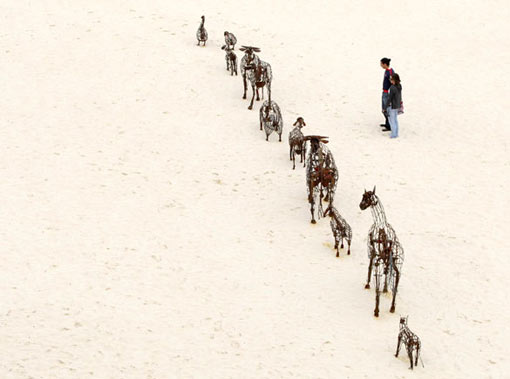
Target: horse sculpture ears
373 190
300 120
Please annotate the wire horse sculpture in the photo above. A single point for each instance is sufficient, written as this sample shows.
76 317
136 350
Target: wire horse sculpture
247 60
201 32
321 174
340 228
410 340
297 142
271 118
231 59
384 250
230 40
260 76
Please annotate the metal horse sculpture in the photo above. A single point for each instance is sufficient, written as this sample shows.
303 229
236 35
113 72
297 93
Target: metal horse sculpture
260 76
271 118
321 174
384 251
201 33
410 340
230 40
297 142
231 59
249 59
340 228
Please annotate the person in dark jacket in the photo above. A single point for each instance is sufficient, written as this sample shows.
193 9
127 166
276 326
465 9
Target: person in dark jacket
394 102
385 64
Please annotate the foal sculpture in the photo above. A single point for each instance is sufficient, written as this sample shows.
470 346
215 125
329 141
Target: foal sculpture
384 251
410 341
297 142
260 77
340 228
321 174
231 59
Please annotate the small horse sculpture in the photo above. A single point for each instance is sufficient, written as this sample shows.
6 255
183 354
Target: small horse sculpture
384 250
410 340
230 40
321 174
260 76
297 142
202 33
271 118
340 228
231 59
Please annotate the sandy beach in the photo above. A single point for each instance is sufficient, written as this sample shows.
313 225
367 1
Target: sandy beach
149 231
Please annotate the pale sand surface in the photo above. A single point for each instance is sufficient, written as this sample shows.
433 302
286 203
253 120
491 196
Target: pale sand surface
149 231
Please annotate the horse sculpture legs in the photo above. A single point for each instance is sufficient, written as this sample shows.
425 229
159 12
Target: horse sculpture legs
312 208
410 354
245 84
386 275
370 265
399 343
377 286
311 200
252 97
337 239
395 287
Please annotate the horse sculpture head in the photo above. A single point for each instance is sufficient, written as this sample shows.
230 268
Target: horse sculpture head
403 321
369 199
328 211
300 122
249 52
315 141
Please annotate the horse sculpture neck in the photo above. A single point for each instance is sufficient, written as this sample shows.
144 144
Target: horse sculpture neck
378 213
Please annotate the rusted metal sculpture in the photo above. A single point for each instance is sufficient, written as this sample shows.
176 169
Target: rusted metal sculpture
230 40
410 340
201 33
297 142
340 228
249 59
231 59
271 118
384 251
321 174
260 76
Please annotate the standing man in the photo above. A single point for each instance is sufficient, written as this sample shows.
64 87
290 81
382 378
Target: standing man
385 64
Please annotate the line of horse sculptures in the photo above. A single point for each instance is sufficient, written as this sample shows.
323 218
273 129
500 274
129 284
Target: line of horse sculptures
385 252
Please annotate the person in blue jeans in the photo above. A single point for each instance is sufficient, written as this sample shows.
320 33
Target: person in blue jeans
385 64
393 104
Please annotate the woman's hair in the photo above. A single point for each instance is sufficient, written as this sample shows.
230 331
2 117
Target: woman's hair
386 61
396 78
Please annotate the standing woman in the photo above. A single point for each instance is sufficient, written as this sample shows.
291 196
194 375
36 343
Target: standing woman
385 64
394 102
